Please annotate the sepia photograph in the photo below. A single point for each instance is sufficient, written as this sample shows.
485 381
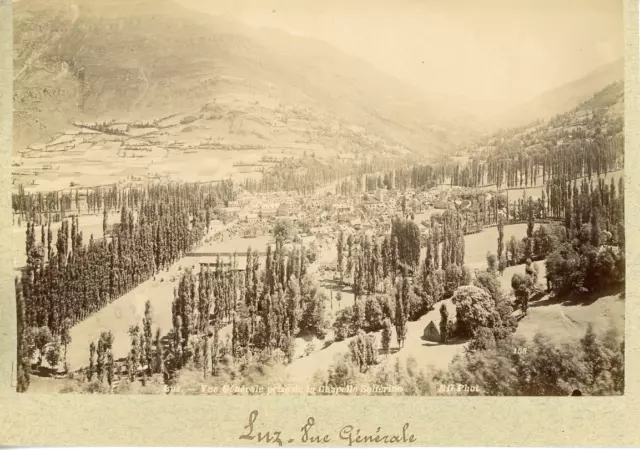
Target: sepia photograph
329 198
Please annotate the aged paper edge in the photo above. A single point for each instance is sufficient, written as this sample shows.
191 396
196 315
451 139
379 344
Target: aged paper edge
58 420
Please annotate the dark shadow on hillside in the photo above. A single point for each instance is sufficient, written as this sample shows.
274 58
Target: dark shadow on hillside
454 341
43 371
577 299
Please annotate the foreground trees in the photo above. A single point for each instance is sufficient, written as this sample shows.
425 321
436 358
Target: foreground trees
595 366
266 309
79 277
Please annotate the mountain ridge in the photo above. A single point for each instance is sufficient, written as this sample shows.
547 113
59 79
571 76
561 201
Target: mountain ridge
140 59
561 98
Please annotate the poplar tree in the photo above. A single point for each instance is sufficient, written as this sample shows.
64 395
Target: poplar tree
110 368
148 338
22 357
100 360
401 315
340 247
386 335
65 338
444 323
91 369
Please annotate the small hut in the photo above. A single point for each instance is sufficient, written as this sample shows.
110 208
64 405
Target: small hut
431 333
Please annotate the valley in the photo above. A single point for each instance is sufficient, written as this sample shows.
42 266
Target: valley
201 203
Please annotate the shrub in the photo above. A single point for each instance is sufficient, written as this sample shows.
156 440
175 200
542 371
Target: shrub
343 324
483 340
363 351
474 309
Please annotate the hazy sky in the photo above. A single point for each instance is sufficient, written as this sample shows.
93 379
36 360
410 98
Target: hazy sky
494 54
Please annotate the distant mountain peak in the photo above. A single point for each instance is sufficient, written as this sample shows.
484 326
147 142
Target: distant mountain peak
562 98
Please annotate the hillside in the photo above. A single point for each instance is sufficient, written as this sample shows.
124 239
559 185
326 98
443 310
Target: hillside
563 98
140 60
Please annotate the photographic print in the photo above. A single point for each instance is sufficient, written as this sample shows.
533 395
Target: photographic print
362 198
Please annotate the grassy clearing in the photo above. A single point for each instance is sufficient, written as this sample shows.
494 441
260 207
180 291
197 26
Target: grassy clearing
566 319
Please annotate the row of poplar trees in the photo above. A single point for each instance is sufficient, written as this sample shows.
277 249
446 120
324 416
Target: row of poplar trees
67 279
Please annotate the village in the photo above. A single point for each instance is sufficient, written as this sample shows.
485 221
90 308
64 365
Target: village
239 212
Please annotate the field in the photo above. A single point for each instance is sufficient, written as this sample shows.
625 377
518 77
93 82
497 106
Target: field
567 320
477 245
238 136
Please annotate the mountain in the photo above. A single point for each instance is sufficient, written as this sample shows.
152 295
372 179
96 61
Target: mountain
112 60
562 98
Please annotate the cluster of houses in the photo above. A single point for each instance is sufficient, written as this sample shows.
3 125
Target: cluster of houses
324 215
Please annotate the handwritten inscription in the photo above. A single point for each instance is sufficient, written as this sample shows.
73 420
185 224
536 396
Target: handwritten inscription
348 435
269 437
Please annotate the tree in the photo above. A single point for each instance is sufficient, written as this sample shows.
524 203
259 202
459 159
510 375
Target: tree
100 359
401 316
512 248
294 299
522 285
133 359
147 351
444 322
22 352
41 338
492 263
500 245
105 344
595 228
206 353
453 279
340 247
91 368
489 282
110 367
483 340
283 230
53 355
312 321
373 316
158 356
543 242
564 269
104 223
343 325
65 338
551 369
363 352
474 309
530 225
386 335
